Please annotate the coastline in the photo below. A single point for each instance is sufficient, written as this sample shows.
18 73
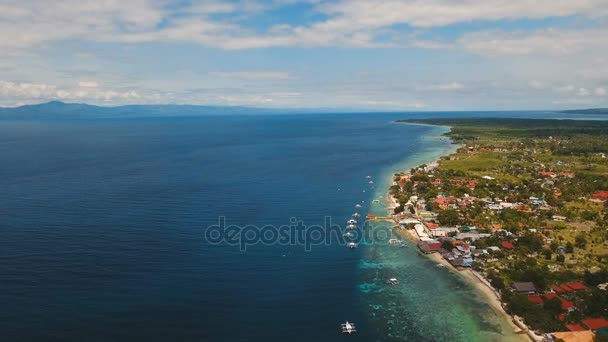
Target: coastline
476 280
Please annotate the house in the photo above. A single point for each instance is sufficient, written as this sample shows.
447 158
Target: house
595 323
566 304
558 218
576 286
575 327
507 245
600 195
523 287
429 246
493 249
572 336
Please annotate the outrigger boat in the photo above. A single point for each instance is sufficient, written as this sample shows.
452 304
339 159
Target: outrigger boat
351 245
348 328
352 221
351 226
356 215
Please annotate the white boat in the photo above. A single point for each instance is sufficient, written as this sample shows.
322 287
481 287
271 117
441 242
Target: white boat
371 182
351 226
348 327
352 221
348 234
394 242
368 177
392 281
351 245
376 201
356 215
358 206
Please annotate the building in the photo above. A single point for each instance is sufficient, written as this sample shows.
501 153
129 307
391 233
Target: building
600 195
571 336
429 246
523 287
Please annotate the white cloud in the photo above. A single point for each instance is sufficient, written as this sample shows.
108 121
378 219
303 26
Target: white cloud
534 84
268 75
600 91
583 92
88 84
556 42
453 86
23 92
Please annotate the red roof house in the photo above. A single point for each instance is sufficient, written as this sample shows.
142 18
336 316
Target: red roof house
575 327
576 286
556 288
566 288
566 304
507 245
600 195
595 323
536 299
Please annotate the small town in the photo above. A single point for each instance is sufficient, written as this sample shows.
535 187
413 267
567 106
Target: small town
526 211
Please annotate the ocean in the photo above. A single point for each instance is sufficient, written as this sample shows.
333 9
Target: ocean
111 230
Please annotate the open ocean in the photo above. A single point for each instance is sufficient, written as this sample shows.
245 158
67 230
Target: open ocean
103 223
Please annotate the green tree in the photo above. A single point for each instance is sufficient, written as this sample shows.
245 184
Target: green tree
560 258
448 217
569 247
580 241
553 305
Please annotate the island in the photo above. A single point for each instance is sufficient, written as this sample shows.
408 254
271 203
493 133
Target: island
522 206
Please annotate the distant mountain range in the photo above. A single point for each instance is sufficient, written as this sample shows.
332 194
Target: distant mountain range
58 109
587 111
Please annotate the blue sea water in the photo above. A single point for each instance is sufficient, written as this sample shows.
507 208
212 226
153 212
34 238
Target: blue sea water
103 222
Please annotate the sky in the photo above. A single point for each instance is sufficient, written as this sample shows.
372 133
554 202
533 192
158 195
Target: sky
409 55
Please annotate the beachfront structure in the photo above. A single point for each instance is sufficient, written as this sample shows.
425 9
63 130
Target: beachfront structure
429 246
523 287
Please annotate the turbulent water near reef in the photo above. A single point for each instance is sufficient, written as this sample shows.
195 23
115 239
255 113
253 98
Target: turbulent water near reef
103 224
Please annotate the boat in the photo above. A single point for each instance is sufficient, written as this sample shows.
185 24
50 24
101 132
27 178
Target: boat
348 327
352 221
351 226
394 242
358 206
368 177
376 201
392 281
356 215
371 182
348 234
351 245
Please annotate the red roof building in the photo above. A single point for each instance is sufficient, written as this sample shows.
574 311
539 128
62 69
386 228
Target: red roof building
566 304
575 327
566 288
576 286
556 288
432 225
595 323
600 195
507 245
536 299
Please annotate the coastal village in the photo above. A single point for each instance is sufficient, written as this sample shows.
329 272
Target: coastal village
525 215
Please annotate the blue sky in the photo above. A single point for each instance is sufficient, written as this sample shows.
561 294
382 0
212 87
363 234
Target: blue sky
366 54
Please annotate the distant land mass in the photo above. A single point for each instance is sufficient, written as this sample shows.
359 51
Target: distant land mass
587 111
58 109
